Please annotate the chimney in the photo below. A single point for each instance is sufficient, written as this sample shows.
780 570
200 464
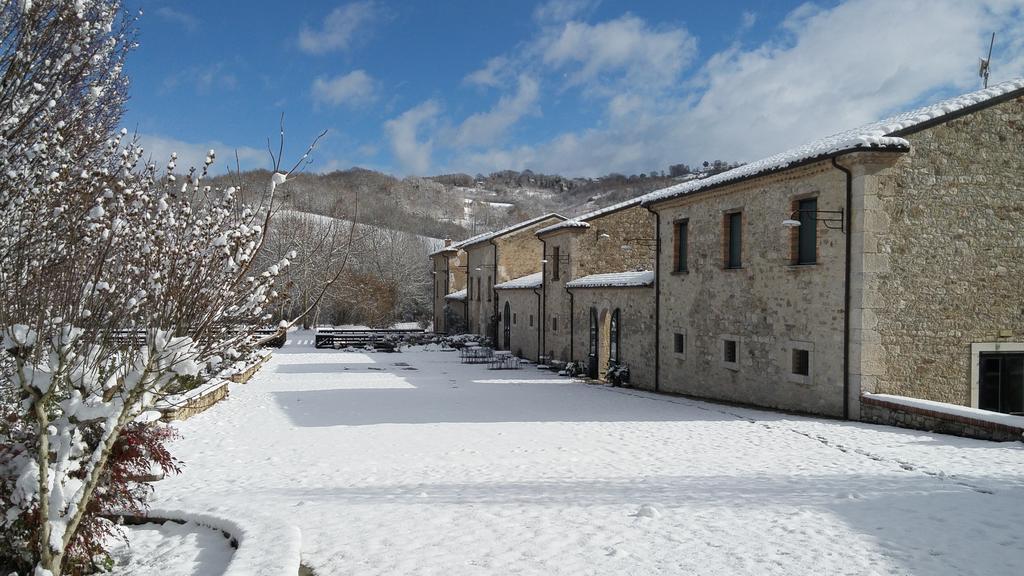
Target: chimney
447 242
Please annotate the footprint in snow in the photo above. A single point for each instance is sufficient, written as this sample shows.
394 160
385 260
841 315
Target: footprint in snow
647 511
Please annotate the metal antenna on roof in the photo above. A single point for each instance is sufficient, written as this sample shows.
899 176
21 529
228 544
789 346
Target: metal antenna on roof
986 62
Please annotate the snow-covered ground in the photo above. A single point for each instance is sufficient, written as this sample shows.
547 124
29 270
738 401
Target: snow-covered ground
171 549
412 463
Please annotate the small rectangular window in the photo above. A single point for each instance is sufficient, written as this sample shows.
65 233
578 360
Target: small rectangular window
490 288
801 362
554 323
531 320
478 289
555 257
680 344
807 232
682 229
514 317
734 233
729 351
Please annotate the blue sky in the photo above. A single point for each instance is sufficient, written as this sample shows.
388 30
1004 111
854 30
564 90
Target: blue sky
578 87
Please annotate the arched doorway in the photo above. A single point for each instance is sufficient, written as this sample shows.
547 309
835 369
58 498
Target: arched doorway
613 337
592 351
507 317
604 348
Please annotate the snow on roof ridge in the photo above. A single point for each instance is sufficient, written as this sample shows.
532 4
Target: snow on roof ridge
581 221
529 281
614 279
874 135
488 235
457 295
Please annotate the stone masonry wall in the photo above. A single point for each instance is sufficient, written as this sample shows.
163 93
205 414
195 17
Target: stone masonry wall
628 246
448 277
480 298
769 307
437 266
944 255
524 304
519 254
636 329
891 414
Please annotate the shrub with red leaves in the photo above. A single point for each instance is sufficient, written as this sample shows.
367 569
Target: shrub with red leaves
139 456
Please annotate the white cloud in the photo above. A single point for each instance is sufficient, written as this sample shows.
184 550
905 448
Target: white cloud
561 10
413 155
353 89
203 79
495 73
159 148
486 127
626 47
747 20
187 21
826 70
339 28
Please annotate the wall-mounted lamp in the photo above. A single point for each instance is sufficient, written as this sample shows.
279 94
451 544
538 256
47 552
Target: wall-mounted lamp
833 219
562 258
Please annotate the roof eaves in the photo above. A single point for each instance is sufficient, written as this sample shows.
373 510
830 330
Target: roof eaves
514 228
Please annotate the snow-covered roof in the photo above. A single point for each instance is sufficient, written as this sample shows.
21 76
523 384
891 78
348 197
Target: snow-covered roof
614 280
582 220
459 295
489 235
443 249
523 282
884 134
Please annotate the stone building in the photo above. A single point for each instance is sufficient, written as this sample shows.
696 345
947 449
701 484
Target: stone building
612 323
454 312
496 257
885 259
619 238
449 271
519 313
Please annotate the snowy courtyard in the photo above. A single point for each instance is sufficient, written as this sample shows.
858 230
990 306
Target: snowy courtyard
412 463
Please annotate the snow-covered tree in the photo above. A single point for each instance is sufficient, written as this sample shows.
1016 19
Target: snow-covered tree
117 278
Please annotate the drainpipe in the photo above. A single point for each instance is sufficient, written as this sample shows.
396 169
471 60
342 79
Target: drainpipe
846 288
494 293
657 299
544 297
469 282
538 324
447 287
572 322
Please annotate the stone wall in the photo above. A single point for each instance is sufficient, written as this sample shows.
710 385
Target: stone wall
449 274
636 329
519 254
524 305
769 307
480 297
617 242
878 411
944 255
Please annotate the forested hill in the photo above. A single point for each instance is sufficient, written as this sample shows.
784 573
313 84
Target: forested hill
459 205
